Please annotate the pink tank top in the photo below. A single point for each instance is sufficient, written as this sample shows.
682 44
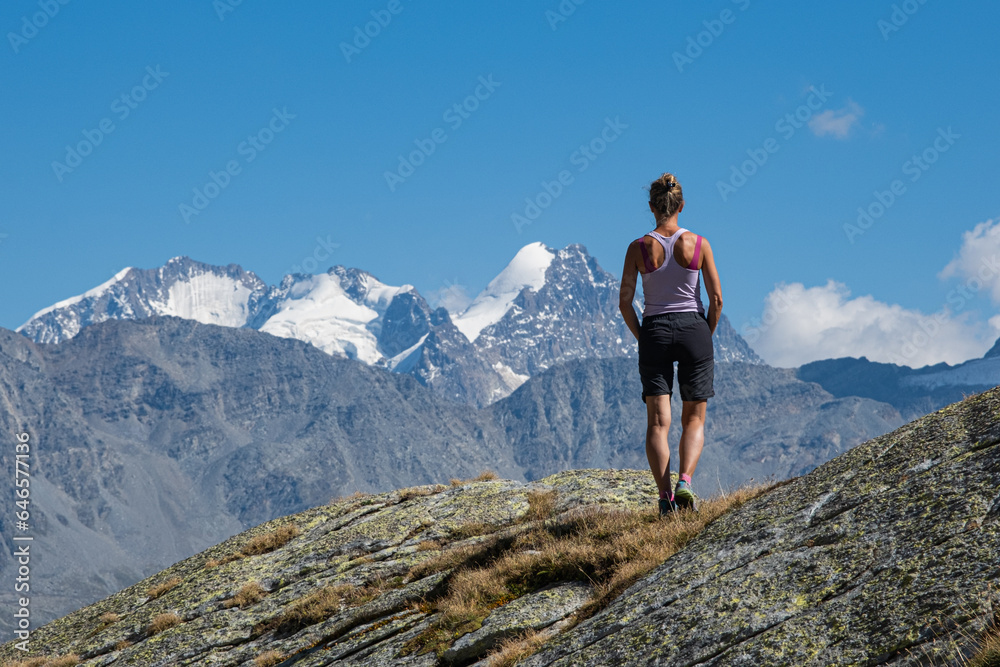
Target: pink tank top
672 288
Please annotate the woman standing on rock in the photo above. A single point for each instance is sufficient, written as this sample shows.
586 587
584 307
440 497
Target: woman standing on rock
674 328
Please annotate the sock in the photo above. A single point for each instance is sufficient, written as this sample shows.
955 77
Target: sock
665 494
685 478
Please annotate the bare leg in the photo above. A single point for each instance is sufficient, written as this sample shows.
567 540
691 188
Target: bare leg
692 435
657 449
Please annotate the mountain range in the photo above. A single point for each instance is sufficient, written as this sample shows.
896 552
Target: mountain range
546 307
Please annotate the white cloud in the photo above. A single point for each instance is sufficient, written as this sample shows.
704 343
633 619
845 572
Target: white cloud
978 260
803 324
453 297
837 122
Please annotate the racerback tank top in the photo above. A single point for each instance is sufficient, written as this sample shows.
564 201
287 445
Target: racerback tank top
671 288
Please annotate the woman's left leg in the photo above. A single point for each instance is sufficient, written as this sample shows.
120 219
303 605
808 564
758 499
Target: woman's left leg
692 435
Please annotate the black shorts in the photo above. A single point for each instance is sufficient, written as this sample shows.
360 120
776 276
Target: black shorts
681 337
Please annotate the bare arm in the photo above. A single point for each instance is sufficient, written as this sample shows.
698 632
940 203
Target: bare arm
712 286
626 292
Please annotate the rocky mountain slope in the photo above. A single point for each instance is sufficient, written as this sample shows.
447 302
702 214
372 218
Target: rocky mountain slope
546 307
885 555
159 437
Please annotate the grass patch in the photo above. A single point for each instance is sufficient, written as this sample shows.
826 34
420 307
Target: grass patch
271 541
162 622
268 659
515 649
988 654
428 545
259 545
324 603
107 618
484 476
68 660
541 505
610 548
472 529
250 594
163 587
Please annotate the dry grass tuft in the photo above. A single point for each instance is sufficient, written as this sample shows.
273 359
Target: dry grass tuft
163 587
122 645
484 476
428 545
610 548
541 504
268 659
250 594
268 542
472 529
162 622
68 660
515 649
324 603
107 618
988 654
64 661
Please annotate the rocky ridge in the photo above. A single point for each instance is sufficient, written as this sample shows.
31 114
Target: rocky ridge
886 555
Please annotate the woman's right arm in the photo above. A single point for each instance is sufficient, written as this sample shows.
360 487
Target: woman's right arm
712 286
626 292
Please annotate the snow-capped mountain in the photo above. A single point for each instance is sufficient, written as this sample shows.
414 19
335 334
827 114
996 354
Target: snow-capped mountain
340 312
526 271
227 296
546 307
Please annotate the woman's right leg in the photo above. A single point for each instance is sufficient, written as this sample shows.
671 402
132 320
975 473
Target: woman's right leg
657 448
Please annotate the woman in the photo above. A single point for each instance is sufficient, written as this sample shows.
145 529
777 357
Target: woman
674 328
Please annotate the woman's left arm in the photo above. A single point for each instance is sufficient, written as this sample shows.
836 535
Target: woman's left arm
626 292
712 286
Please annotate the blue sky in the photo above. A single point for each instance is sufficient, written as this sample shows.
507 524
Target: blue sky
833 101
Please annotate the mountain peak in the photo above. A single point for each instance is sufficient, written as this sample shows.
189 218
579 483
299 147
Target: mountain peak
994 351
526 270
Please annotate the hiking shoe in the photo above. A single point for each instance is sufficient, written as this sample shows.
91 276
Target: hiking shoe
684 497
667 507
